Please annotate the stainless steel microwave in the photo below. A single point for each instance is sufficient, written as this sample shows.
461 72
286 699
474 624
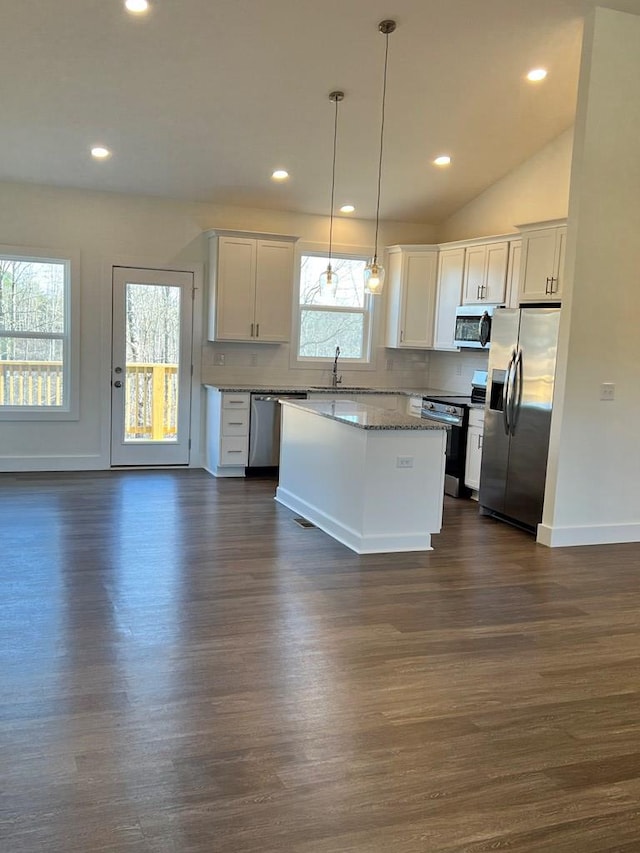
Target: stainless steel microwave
473 326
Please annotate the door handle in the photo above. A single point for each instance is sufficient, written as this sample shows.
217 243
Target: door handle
517 396
117 384
506 396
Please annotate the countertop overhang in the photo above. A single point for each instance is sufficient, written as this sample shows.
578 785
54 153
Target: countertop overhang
363 417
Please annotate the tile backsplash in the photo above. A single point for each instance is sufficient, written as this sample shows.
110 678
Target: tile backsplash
266 364
453 371
247 364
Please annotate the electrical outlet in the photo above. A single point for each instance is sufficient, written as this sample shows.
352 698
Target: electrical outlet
389 364
253 361
219 359
458 369
404 461
607 391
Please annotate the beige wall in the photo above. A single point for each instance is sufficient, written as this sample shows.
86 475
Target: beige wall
109 228
594 463
535 191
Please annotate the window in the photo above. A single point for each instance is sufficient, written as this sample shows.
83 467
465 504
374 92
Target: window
328 320
35 356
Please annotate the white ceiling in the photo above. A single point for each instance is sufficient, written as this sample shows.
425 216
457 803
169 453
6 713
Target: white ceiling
202 99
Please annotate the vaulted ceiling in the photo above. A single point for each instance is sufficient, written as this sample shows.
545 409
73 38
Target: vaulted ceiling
203 99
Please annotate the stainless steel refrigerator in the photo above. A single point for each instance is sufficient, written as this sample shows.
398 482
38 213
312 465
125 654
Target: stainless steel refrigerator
521 371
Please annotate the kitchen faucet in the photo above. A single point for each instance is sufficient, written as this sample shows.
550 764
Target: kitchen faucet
335 379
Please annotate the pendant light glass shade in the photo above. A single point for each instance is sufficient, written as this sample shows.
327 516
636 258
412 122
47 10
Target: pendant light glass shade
374 270
373 277
328 284
328 280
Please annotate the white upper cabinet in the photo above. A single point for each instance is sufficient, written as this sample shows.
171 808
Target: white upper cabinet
542 263
251 286
448 297
411 296
485 273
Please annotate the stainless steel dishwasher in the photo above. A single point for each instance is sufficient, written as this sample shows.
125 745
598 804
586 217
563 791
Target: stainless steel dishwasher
264 429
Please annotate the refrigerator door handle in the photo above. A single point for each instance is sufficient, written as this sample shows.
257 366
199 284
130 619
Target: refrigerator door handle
517 396
506 396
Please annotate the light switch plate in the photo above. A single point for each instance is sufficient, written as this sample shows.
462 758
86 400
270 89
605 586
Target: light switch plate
607 391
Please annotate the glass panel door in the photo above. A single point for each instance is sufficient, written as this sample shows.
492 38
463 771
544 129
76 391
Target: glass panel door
151 367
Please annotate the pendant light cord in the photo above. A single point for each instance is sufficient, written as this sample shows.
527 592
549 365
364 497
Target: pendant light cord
384 97
333 178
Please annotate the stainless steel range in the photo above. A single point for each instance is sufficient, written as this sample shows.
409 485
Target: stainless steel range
454 411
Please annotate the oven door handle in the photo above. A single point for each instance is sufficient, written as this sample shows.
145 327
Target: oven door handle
506 395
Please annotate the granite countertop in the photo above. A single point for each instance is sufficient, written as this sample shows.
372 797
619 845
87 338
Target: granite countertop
364 417
326 389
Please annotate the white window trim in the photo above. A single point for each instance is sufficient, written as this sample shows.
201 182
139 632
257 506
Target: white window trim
70 410
301 363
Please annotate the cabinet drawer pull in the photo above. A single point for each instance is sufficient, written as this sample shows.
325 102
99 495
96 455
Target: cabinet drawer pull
257 330
252 330
236 423
235 451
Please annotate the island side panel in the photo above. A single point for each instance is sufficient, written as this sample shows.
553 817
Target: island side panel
403 506
321 474
346 480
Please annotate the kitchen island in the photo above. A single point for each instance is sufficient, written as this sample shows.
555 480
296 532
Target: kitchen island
372 479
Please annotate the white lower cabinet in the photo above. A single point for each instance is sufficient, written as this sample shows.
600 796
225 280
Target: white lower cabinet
474 450
227 433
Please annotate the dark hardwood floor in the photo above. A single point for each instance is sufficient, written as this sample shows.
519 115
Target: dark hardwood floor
186 670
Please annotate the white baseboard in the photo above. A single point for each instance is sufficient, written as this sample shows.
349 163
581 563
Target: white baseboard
599 534
361 544
29 464
229 471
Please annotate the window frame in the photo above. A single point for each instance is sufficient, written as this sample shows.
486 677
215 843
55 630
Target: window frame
356 253
70 336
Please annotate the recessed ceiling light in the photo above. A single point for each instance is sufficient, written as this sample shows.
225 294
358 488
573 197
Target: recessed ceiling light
347 208
537 74
280 175
442 160
100 152
137 7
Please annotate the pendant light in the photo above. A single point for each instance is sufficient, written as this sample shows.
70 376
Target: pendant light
374 270
329 279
